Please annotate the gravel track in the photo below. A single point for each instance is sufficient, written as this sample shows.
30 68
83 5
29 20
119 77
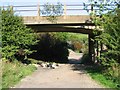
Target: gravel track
65 76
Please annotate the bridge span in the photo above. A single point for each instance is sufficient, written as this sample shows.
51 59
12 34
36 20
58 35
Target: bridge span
75 24
64 23
60 20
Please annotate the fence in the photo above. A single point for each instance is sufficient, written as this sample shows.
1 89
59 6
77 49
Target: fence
73 9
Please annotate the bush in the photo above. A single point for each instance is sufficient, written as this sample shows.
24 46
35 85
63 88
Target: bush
52 47
85 59
15 35
109 25
78 42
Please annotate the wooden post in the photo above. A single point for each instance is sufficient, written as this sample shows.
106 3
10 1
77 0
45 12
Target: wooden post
3 7
118 5
97 48
65 10
11 9
92 11
92 7
38 10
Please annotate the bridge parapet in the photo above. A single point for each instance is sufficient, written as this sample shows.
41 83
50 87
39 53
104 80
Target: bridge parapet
61 19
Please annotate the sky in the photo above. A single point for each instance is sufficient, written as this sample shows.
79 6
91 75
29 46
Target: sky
35 2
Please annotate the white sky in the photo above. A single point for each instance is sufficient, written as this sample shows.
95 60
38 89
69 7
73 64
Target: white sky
35 2
77 1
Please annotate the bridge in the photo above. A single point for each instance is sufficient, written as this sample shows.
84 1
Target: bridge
64 23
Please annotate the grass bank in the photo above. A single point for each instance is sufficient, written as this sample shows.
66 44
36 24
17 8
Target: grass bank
98 76
12 73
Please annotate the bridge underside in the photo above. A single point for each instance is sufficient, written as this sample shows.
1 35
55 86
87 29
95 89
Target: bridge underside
75 28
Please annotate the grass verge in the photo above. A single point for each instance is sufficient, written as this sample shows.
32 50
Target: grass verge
97 75
12 73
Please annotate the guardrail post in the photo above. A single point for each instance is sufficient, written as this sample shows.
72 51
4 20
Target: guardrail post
11 8
92 11
65 10
38 11
92 7
2 8
118 5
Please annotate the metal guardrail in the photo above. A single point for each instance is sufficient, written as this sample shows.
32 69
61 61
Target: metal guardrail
21 8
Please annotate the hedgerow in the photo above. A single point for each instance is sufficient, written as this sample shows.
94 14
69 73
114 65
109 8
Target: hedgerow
15 36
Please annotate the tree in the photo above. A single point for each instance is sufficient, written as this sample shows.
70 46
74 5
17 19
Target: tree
108 20
52 11
15 36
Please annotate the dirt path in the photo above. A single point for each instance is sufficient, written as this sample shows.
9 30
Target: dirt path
65 76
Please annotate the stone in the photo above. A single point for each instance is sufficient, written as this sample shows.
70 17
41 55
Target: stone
44 65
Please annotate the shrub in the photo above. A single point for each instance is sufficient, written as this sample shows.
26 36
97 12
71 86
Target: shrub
52 47
109 25
15 35
85 59
78 42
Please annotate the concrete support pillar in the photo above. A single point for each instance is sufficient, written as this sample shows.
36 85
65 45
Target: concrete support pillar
97 48
91 48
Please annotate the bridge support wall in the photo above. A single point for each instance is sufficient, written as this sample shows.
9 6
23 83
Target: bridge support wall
91 48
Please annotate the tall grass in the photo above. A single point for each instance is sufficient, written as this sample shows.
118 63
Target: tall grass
96 73
12 73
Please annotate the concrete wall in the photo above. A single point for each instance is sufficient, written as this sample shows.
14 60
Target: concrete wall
61 19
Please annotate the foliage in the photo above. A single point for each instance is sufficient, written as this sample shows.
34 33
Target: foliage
52 47
97 75
15 35
52 11
14 72
78 42
85 59
0 30
109 23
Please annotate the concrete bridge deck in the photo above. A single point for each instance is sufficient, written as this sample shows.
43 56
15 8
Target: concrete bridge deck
61 20
77 24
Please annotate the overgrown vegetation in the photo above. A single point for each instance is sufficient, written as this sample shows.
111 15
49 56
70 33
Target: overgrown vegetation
16 40
12 73
78 42
52 47
108 20
96 74
16 37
